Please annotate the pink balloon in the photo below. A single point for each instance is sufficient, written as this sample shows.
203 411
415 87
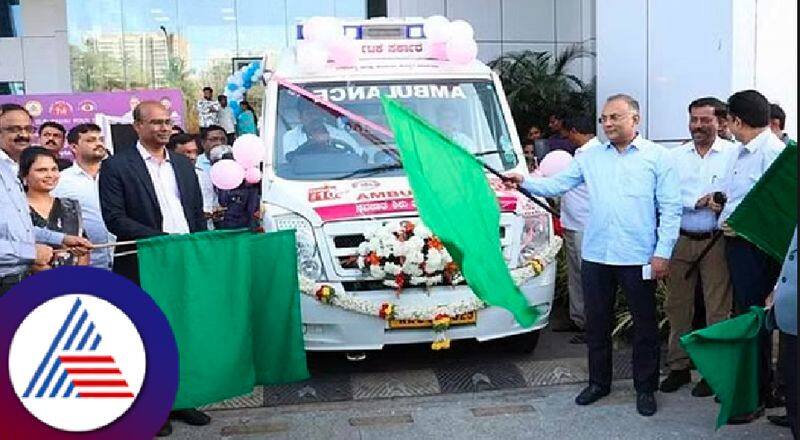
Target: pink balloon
438 51
344 53
461 51
248 150
252 175
555 162
227 174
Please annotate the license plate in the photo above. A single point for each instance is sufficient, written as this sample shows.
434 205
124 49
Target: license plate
465 319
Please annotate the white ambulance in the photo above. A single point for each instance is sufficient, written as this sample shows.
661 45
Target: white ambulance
335 200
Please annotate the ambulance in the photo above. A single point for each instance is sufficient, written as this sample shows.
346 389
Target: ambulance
336 198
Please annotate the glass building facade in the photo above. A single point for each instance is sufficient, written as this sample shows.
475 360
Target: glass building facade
184 44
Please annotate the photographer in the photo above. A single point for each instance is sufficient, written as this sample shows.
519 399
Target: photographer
702 165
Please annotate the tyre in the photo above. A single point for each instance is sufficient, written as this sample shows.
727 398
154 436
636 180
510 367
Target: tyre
524 343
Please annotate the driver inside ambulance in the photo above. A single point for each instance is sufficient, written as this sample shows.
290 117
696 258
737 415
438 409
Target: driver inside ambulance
309 113
449 122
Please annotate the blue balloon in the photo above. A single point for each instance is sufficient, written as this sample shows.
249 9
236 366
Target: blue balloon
231 86
236 108
247 83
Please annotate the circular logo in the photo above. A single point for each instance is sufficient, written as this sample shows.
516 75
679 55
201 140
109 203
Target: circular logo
91 367
88 354
34 107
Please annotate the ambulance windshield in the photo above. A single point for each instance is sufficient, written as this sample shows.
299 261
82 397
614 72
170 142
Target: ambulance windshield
314 142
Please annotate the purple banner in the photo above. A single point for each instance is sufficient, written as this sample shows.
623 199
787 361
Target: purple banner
71 109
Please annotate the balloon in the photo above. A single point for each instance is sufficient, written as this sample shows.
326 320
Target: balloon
436 28
252 175
231 86
344 52
227 174
234 105
438 51
248 150
322 30
311 57
256 77
461 51
555 162
461 30
237 79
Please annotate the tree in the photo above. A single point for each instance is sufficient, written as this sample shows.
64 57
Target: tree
538 85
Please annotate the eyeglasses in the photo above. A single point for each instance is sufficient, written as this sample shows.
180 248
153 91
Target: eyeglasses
160 122
17 129
614 117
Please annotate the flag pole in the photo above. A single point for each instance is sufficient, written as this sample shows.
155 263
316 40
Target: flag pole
522 190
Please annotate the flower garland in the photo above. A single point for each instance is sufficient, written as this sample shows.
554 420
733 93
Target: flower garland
407 254
328 295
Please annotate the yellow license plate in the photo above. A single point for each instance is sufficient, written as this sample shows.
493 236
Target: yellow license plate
465 319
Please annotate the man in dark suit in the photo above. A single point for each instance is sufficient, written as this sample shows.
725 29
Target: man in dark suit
147 191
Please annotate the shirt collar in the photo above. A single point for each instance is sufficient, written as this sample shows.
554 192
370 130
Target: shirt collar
758 141
146 154
716 147
635 143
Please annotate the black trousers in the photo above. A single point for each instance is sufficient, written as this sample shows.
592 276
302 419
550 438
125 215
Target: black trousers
788 358
753 275
600 282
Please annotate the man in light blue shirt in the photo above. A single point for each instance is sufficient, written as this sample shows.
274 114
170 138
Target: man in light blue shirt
80 182
634 217
23 247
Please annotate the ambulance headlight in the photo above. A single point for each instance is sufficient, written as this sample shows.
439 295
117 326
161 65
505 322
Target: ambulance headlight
309 263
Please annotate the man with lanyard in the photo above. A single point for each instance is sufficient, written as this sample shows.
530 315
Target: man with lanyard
23 247
634 196
702 166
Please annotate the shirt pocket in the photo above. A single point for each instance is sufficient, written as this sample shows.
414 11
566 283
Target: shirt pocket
637 183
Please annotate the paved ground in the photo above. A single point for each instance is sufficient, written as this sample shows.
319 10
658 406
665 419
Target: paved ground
529 413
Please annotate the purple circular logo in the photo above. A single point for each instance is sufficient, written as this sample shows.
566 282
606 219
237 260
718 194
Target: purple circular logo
86 354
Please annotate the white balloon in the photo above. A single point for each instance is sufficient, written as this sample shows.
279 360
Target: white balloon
311 57
322 30
460 29
436 28
256 77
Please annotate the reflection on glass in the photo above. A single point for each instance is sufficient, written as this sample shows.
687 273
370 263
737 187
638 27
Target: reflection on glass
314 143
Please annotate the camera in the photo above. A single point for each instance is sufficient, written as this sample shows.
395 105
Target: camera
719 197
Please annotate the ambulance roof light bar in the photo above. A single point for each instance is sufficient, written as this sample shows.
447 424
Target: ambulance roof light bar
378 31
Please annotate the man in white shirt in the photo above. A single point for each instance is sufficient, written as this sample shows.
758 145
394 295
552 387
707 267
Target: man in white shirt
753 271
297 136
702 166
80 182
575 210
208 109
226 119
149 191
186 144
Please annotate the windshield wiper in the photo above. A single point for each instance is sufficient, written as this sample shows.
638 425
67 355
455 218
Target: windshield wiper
499 153
370 171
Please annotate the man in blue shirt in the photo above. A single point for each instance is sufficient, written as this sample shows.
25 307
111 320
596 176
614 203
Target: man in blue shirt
634 217
23 247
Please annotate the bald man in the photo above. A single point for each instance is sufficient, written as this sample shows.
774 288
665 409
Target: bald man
148 191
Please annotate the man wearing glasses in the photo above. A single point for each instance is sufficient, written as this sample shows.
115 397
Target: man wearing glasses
148 191
634 217
23 247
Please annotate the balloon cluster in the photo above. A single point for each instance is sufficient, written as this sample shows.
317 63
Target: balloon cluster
323 41
452 41
248 152
240 82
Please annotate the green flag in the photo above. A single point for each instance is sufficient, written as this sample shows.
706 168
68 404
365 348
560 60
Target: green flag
233 302
455 201
767 215
727 356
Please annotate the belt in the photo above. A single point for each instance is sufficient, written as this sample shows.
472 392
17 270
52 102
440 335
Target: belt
696 236
12 279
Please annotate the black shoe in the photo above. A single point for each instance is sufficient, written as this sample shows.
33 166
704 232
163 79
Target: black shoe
779 420
191 416
646 404
166 429
570 327
675 379
775 400
746 418
578 338
591 394
702 389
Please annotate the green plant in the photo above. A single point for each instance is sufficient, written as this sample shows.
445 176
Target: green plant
537 85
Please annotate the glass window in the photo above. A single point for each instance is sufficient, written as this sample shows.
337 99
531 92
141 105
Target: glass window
314 143
95 43
146 51
12 88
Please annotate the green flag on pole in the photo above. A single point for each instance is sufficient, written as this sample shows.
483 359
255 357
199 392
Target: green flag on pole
727 356
767 215
233 302
455 201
